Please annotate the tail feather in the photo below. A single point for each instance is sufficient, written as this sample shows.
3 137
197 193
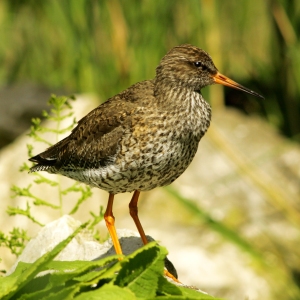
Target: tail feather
50 161
48 158
43 161
38 167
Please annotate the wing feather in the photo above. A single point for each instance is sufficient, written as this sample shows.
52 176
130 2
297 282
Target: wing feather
95 140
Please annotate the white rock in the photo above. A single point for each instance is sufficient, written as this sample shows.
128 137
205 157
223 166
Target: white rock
82 247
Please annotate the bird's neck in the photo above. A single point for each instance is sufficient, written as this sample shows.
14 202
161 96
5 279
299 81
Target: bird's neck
178 97
188 105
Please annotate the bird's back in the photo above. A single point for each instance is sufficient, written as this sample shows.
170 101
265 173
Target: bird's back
94 141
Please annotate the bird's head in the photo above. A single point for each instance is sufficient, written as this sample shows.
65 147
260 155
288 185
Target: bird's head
191 67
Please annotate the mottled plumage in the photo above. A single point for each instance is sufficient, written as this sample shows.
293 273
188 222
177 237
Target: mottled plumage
142 138
145 136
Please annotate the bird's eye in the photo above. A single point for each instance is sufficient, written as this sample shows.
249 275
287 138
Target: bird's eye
199 64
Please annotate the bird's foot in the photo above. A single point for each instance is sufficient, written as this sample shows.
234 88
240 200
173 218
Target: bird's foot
168 274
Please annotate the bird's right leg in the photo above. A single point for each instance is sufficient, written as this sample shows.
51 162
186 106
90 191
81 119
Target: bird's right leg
110 224
133 209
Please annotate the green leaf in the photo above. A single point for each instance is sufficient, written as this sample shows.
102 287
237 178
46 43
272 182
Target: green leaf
167 288
42 179
96 218
193 294
110 292
141 271
78 264
64 293
81 271
21 267
24 167
36 290
12 211
85 194
10 285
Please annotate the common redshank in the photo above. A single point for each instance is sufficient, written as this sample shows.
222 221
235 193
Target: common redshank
143 137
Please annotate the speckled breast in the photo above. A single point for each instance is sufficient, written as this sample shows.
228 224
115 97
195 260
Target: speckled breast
157 168
146 159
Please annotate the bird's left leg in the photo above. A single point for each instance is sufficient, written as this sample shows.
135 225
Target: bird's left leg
110 224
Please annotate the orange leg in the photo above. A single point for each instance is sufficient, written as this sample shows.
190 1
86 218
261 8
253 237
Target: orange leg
110 224
133 209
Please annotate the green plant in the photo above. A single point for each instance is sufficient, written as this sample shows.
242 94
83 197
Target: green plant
15 240
137 276
103 46
60 113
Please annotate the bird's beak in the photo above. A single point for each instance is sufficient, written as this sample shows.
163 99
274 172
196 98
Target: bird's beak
222 79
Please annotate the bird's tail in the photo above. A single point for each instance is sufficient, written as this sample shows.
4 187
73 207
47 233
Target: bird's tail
47 159
42 163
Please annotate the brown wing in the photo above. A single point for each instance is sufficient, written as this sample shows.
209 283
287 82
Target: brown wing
93 142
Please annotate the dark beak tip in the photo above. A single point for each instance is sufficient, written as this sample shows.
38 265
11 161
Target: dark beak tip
224 80
260 96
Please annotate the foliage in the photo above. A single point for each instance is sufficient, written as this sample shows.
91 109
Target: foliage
60 113
61 110
15 241
104 46
137 276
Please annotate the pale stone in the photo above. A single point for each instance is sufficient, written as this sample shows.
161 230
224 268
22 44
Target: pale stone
82 247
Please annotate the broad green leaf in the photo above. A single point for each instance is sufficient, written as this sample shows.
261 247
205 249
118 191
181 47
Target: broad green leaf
54 293
73 275
111 271
167 288
21 267
193 294
64 293
79 265
84 271
188 294
12 284
141 271
35 289
110 292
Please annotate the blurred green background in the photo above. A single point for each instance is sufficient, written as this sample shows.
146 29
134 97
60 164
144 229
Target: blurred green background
104 46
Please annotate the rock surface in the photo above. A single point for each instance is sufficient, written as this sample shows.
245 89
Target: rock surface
83 247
